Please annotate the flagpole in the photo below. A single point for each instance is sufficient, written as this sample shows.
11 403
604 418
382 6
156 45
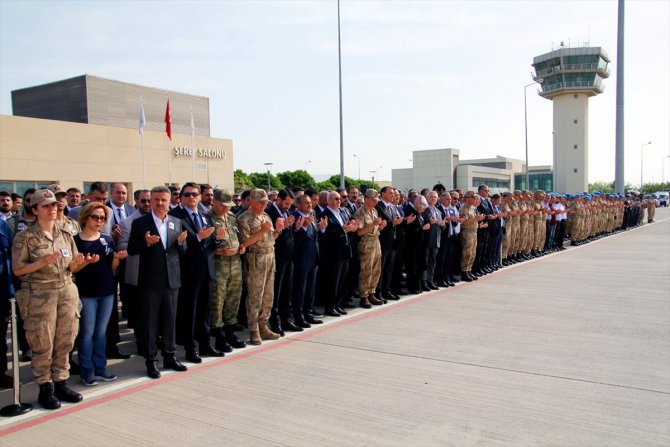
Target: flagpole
142 124
192 148
168 131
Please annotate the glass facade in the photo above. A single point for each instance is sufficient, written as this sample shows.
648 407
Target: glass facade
21 187
538 180
490 182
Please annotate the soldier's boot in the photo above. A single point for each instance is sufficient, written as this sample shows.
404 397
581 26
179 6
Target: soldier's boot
220 342
232 339
266 333
374 300
365 303
64 393
47 398
255 338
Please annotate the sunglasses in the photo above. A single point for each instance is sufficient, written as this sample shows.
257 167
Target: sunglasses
145 200
237 200
175 193
191 194
97 218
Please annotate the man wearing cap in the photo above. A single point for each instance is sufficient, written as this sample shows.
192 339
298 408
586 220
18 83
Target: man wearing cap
469 235
369 250
258 238
651 208
228 265
44 258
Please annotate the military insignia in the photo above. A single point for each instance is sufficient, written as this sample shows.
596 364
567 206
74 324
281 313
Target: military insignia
48 194
33 242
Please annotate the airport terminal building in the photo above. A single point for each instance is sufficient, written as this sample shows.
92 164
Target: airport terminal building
85 129
445 166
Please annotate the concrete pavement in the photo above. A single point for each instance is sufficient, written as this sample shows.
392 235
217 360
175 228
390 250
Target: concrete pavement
570 349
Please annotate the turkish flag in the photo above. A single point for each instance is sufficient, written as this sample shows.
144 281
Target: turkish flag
168 122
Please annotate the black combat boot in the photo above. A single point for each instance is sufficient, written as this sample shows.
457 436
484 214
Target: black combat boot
220 342
47 398
232 339
64 393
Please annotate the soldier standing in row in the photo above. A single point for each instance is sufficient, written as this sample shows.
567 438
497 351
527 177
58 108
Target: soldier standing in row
369 250
44 257
469 235
258 238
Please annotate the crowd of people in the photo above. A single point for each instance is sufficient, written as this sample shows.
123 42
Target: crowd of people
194 266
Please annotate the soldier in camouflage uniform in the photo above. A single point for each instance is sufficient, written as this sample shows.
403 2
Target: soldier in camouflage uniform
469 235
258 238
62 221
44 258
369 250
228 264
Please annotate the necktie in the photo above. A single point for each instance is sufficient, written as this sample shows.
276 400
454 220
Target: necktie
120 216
197 221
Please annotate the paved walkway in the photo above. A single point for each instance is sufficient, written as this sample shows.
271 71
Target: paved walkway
572 349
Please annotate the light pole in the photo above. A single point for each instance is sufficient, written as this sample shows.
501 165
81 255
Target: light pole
372 173
308 162
267 165
642 162
525 121
663 168
357 157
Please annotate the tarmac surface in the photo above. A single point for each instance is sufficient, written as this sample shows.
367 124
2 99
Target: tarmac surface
571 349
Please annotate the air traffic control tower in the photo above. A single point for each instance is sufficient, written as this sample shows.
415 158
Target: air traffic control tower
568 77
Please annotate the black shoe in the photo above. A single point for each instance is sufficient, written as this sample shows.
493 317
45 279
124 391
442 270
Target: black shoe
206 350
340 310
74 368
277 329
191 356
290 327
442 284
152 369
425 288
302 324
454 280
331 313
311 319
348 304
316 315
232 339
47 399
414 292
474 277
65 394
390 296
115 353
221 344
465 277
174 364
27 355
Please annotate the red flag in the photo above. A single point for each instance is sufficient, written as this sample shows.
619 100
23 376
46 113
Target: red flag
168 122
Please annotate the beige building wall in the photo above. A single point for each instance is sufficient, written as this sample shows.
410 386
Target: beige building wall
469 177
72 153
571 112
402 178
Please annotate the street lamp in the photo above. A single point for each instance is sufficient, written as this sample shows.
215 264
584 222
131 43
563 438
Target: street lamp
642 162
308 162
525 120
268 167
663 168
357 157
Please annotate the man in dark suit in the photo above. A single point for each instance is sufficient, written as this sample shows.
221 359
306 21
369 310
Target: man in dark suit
431 240
159 241
305 262
387 210
335 253
281 306
198 274
481 265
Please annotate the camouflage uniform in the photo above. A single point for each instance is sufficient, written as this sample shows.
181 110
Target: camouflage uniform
259 270
226 297
48 301
69 225
508 240
369 252
468 239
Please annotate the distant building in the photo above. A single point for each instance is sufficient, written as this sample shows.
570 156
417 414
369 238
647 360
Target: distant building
444 166
86 129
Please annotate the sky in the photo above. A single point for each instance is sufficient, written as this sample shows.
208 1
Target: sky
416 74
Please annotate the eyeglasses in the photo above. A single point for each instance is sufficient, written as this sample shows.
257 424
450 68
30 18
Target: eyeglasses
175 193
337 198
190 194
97 218
145 200
237 200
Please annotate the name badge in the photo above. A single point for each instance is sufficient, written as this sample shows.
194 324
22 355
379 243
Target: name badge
65 252
21 226
171 225
204 221
103 241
